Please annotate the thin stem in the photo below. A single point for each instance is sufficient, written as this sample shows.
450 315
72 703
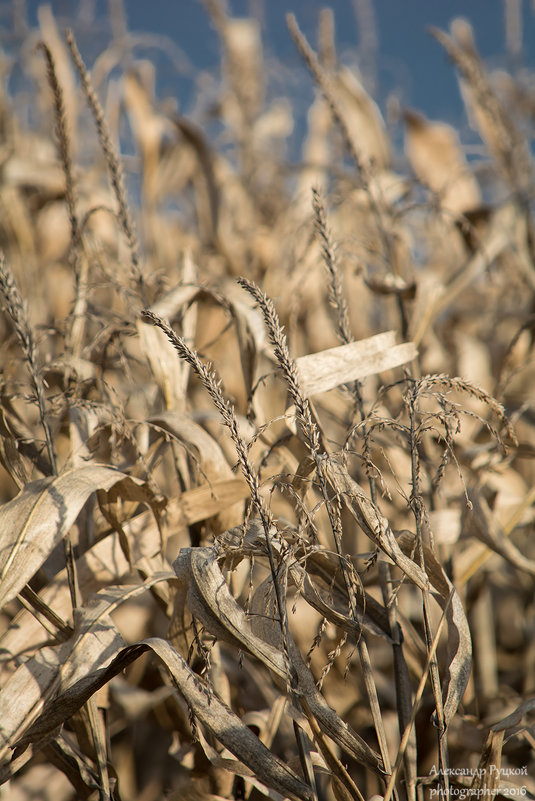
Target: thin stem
225 409
114 165
16 310
311 437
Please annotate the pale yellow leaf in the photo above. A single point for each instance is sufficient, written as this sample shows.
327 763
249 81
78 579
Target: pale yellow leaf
327 369
34 522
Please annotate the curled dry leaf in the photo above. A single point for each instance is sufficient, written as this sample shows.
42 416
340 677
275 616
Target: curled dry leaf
28 710
226 727
319 583
459 639
514 718
487 528
328 596
210 601
119 503
34 522
371 520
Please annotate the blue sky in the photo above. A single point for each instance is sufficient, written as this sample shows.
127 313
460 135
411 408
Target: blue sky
409 63
407 55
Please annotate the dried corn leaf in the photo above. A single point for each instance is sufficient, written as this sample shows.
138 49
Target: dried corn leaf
210 500
226 727
38 680
267 628
170 373
363 119
487 774
34 522
329 597
220 492
514 718
322 371
459 639
102 565
434 152
206 453
319 584
31 691
92 617
487 528
226 762
210 601
371 520
119 503
499 238
105 564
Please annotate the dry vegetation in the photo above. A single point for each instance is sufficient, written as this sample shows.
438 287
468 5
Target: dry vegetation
306 572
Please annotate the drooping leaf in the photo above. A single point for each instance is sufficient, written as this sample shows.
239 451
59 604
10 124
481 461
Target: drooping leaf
225 726
371 520
487 528
101 565
30 693
34 522
459 639
211 602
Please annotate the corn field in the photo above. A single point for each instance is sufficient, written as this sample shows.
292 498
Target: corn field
267 429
